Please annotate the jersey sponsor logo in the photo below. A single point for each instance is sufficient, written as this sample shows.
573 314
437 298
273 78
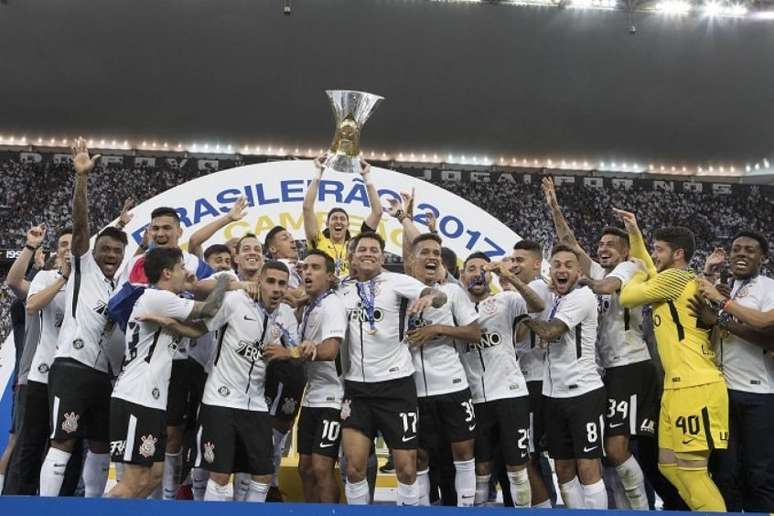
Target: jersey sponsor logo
326 445
208 452
360 315
43 368
70 423
615 425
78 343
117 447
603 303
224 391
346 409
587 449
148 447
488 340
250 351
155 393
407 439
250 319
289 406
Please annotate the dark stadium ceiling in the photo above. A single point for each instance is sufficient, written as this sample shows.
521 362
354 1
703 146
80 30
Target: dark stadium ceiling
461 78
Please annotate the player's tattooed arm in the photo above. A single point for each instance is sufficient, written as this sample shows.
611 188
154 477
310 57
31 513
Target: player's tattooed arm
606 286
547 330
534 302
325 351
427 298
311 228
710 316
563 230
83 164
209 307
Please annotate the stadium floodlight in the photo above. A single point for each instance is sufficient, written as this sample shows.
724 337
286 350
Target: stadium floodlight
580 4
713 8
674 7
738 10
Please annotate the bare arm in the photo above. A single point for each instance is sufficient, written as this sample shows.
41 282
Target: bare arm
16 279
193 329
209 307
606 286
438 296
563 231
83 164
40 300
311 228
547 330
327 350
203 234
372 221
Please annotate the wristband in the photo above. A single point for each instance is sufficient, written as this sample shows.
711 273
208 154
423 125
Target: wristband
295 353
31 248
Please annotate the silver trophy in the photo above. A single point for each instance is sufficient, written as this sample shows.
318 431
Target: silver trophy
351 109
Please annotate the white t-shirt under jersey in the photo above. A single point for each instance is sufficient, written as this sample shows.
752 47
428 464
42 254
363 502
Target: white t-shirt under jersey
491 365
531 356
437 363
86 329
244 329
144 378
748 367
620 329
51 317
326 320
571 368
382 355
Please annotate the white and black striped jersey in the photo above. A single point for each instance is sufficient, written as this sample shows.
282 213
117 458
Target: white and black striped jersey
437 362
244 328
144 378
748 367
491 365
50 318
620 329
375 342
86 328
323 319
531 356
571 367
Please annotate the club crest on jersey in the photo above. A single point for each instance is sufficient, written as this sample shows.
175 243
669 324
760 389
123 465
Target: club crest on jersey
224 391
489 308
148 446
155 393
744 291
70 423
78 343
43 368
289 406
209 452
346 409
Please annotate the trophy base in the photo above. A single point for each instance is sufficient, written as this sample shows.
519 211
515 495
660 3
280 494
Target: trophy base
343 163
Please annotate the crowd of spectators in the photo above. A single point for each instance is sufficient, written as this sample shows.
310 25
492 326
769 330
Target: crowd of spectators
40 192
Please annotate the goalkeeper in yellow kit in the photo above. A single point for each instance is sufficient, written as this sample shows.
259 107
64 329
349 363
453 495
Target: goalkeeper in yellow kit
694 407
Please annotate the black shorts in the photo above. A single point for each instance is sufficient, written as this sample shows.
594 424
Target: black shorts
632 399
186 387
284 388
138 434
389 407
505 423
79 401
575 426
446 415
319 431
232 440
536 423
18 409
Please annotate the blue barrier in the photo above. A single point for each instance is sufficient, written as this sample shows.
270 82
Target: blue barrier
33 506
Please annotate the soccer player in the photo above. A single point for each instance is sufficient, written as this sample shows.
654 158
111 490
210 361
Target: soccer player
500 395
574 393
694 407
322 328
446 413
335 237
379 390
630 375
744 473
79 378
138 406
526 264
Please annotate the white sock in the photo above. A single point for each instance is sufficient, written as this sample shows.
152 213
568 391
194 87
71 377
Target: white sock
218 493
199 479
546 504
52 472
616 497
170 481
595 495
279 439
633 482
241 486
407 494
2 482
95 474
423 487
521 492
257 492
482 490
572 494
357 492
465 482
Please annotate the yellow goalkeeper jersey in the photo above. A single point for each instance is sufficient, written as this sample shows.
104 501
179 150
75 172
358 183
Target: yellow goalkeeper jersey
684 347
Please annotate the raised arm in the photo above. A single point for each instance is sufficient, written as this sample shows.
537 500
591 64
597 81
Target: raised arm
563 231
83 164
534 302
372 221
16 279
665 285
201 235
637 247
311 228
209 307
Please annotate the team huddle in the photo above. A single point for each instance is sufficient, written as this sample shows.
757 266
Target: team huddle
180 367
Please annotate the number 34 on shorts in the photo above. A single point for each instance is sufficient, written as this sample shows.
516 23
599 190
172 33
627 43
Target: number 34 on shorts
694 419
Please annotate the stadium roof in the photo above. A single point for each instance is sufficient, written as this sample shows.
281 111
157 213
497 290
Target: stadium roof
476 80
